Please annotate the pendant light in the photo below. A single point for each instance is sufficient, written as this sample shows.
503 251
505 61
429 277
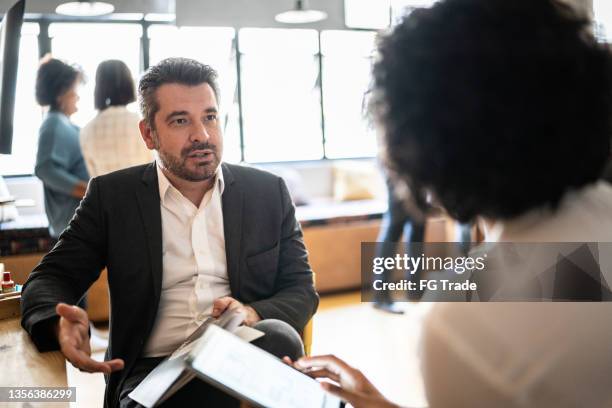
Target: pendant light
300 14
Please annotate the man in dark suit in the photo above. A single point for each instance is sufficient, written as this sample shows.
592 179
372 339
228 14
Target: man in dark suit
182 238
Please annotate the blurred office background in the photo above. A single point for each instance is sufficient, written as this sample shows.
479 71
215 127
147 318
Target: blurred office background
292 102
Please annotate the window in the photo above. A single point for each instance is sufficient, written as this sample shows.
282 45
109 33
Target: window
280 85
88 44
399 8
212 46
372 14
602 10
280 95
28 115
346 78
377 14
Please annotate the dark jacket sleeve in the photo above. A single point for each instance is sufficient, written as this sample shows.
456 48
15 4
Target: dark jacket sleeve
66 272
295 300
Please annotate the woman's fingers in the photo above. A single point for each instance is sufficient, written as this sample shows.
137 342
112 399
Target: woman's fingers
329 362
358 399
323 373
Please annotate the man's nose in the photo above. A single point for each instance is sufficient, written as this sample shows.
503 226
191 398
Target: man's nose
200 133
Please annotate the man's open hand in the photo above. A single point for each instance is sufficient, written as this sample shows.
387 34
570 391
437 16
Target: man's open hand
72 333
229 303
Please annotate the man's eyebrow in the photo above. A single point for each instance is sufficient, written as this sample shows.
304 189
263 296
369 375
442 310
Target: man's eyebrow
175 113
171 115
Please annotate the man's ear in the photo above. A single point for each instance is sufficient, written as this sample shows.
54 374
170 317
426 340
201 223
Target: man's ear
147 134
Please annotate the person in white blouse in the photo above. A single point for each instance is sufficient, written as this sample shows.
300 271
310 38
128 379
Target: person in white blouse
502 111
111 141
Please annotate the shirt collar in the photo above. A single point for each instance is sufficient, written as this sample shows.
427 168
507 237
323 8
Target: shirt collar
164 183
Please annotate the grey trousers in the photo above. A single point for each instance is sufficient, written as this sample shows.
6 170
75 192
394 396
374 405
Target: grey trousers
280 340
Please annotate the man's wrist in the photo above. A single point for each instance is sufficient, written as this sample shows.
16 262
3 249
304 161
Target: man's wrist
44 336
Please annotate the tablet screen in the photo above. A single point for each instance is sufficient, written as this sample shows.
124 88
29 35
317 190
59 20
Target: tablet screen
255 375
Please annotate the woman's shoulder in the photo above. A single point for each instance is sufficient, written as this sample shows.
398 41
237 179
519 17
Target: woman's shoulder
53 119
584 215
119 112
110 117
56 124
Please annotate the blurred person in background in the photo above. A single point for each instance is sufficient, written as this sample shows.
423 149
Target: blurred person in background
59 162
407 220
111 141
398 221
502 111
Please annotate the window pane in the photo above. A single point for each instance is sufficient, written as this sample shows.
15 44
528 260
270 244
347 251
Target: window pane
88 44
28 115
346 77
602 10
372 14
399 8
218 52
281 101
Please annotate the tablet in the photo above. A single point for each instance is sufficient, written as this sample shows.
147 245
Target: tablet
252 374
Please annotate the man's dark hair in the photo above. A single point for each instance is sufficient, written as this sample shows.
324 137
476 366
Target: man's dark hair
53 79
182 71
495 106
114 85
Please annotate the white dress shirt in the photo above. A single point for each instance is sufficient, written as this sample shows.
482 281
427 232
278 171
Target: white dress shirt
194 264
527 354
111 141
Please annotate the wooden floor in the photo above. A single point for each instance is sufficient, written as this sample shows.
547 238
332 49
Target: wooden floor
383 346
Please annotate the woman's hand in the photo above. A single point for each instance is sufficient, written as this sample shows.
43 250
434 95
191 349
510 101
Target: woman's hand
353 387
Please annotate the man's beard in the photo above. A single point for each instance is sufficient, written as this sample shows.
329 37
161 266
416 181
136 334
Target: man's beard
178 165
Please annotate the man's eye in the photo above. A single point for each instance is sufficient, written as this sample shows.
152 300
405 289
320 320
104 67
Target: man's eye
180 121
211 117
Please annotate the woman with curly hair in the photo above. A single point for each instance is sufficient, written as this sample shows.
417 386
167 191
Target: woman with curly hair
59 162
501 110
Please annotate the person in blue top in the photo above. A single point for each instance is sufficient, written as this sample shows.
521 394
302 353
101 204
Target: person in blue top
59 162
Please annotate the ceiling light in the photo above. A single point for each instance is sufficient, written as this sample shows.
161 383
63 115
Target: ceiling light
85 8
300 14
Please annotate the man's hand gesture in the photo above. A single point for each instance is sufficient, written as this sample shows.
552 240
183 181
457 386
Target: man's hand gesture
72 333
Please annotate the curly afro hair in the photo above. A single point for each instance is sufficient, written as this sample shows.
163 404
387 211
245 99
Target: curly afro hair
53 79
494 106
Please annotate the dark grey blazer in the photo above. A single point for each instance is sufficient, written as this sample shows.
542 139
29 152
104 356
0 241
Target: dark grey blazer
118 226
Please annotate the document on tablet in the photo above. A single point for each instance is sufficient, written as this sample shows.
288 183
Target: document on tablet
173 373
240 368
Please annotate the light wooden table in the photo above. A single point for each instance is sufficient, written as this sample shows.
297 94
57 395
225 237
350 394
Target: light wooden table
21 365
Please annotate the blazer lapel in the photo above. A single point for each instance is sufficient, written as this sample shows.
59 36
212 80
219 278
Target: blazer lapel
148 200
232 202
